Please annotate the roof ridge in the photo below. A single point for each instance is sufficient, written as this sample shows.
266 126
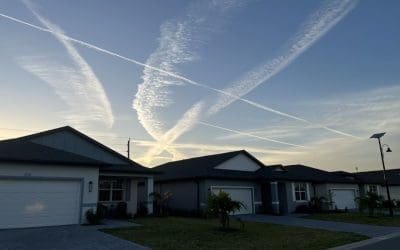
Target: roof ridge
200 157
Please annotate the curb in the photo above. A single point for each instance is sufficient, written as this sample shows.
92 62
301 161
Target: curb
366 242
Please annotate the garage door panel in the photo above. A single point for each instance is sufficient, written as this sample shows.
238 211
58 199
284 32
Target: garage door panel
32 203
244 195
344 198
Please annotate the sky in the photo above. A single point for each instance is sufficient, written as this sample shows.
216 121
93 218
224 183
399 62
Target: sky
291 82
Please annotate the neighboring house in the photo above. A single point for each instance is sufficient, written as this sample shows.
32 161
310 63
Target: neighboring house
191 181
276 189
54 177
373 181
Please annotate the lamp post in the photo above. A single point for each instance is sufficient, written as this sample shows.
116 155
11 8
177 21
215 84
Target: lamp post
379 136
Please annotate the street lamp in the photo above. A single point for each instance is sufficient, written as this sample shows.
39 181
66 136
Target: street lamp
379 136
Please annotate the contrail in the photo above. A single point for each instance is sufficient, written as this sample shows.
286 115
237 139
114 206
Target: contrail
177 76
250 135
79 88
317 26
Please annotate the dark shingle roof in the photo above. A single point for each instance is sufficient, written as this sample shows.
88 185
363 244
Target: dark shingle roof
29 151
305 173
203 167
376 177
25 151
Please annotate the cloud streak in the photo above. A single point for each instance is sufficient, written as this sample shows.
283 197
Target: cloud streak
79 87
172 75
317 26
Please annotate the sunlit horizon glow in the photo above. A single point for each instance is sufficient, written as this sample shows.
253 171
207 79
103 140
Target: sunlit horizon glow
303 90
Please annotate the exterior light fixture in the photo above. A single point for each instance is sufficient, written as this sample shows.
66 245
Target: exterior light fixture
90 186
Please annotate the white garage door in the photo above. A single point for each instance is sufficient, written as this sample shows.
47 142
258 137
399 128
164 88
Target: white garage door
343 198
244 195
34 203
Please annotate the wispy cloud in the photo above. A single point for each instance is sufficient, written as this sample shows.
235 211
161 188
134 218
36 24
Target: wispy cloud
78 86
368 112
250 135
224 5
317 26
177 46
184 124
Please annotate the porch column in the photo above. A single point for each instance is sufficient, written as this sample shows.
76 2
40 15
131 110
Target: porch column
132 196
149 190
274 197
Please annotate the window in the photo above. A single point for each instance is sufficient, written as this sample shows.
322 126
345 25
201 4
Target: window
373 189
300 191
111 190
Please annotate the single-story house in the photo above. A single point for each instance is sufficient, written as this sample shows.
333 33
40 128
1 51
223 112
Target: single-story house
277 189
373 181
54 177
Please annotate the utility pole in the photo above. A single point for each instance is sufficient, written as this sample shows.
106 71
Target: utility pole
129 148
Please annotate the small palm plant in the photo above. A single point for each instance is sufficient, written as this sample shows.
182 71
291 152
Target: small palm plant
160 200
222 205
371 201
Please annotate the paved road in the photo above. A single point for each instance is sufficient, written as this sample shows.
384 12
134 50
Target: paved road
368 230
62 238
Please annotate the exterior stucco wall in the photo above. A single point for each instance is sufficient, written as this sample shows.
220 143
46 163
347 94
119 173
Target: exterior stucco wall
394 192
184 194
32 171
291 202
240 162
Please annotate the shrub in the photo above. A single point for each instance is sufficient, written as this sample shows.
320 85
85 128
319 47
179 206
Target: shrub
371 201
120 210
316 204
92 217
142 210
160 200
222 205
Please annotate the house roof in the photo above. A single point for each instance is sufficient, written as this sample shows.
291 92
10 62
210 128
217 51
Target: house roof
204 167
42 153
306 173
376 177
25 151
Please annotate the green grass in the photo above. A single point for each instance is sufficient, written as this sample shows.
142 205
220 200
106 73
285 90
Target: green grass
191 233
360 218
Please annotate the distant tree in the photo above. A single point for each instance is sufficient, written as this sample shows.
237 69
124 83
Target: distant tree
160 199
371 201
222 205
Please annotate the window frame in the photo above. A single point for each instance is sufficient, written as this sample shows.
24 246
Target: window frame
110 189
376 188
296 189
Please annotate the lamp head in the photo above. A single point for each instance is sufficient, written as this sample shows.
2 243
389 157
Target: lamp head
388 150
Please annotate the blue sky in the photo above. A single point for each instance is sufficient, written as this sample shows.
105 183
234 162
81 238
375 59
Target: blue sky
290 81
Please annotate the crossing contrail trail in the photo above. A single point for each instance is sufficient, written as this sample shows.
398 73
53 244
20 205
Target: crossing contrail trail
250 135
187 80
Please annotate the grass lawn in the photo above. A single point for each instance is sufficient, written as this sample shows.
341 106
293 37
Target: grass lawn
191 233
360 218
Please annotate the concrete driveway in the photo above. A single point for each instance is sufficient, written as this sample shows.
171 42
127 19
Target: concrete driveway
62 238
368 230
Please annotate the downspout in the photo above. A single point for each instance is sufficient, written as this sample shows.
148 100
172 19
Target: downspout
198 196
